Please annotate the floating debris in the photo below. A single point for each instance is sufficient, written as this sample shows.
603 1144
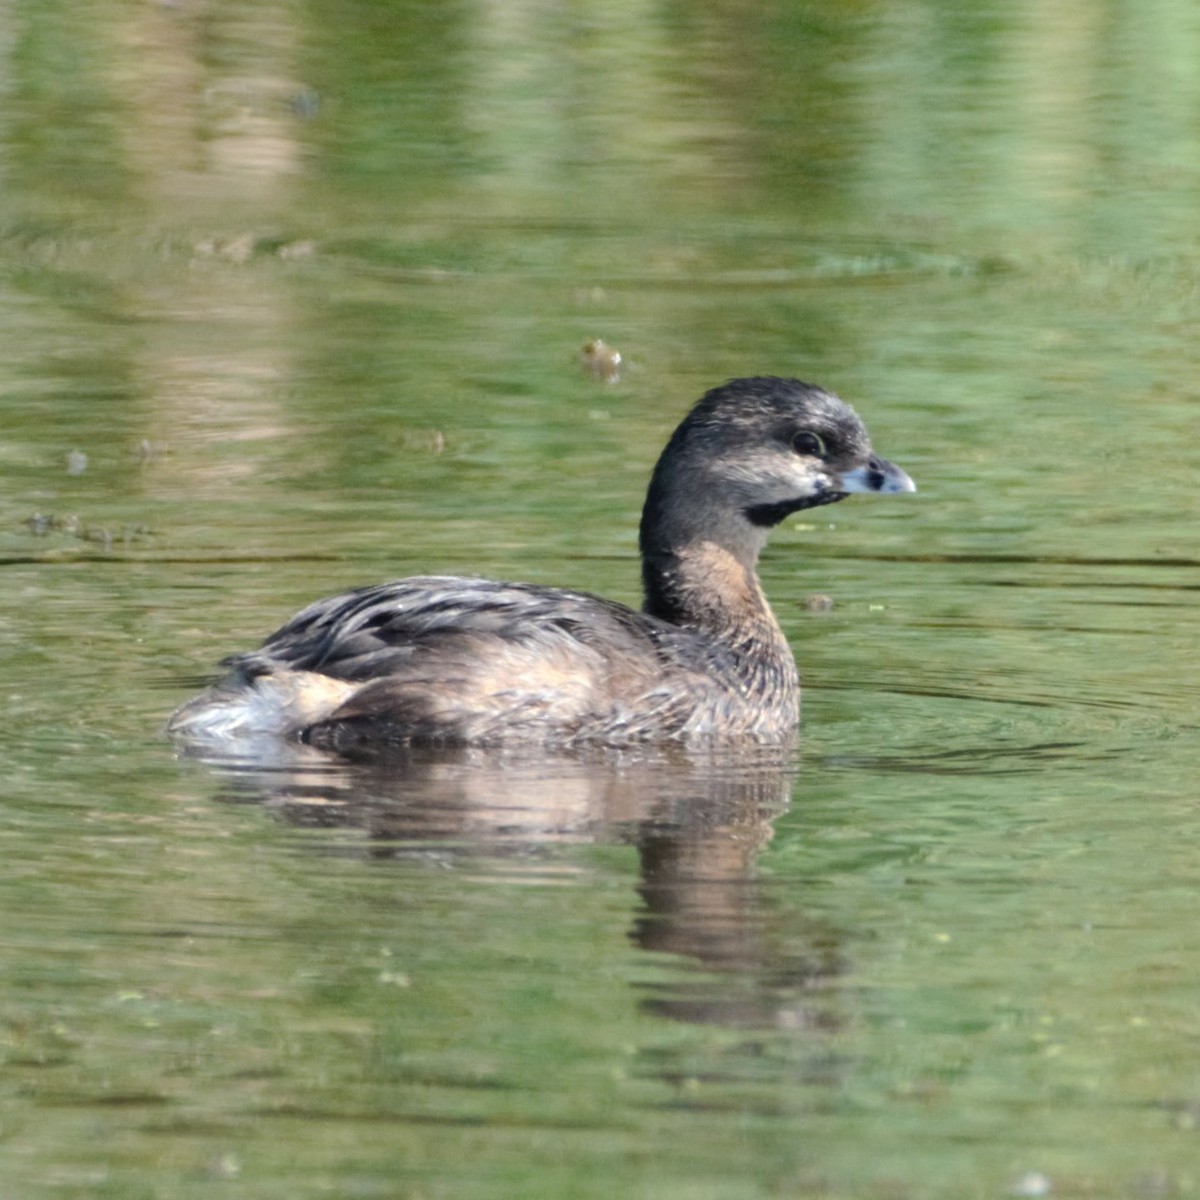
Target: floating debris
1032 1183
305 103
241 248
223 1166
148 451
818 602
44 524
601 359
295 251
431 440
77 462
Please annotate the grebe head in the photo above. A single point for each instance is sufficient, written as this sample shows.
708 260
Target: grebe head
750 453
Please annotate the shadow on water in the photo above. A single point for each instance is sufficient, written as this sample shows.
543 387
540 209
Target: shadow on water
699 819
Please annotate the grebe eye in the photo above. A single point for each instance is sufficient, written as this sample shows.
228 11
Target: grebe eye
810 443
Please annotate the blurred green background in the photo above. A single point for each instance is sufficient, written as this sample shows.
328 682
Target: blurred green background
294 297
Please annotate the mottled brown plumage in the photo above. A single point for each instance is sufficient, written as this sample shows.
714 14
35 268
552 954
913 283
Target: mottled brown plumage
444 659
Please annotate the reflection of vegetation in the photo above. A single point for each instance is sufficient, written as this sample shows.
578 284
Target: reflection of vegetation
63 123
391 78
977 220
936 112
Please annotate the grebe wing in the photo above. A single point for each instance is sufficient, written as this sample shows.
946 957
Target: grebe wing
374 631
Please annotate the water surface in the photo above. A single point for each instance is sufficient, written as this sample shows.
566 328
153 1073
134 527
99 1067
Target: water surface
296 303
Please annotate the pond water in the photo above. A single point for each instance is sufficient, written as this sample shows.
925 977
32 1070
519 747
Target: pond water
294 301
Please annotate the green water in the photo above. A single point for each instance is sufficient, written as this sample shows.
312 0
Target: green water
307 289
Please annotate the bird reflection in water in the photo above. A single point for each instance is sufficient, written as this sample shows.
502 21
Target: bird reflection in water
699 817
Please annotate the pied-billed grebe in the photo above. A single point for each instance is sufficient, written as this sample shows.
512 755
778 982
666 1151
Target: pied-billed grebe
443 659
